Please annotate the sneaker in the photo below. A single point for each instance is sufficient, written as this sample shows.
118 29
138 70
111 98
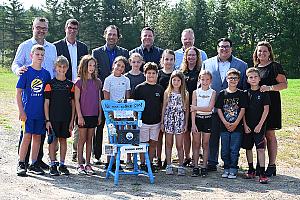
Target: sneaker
195 172
225 174
129 165
53 171
231 176
250 174
35 169
89 170
97 162
81 170
188 163
263 179
21 169
159 164
63 170
43 165
169 170
181 171
211 168
143 167
164 165
204 172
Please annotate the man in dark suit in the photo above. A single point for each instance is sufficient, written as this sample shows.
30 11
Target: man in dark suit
73 50
105 56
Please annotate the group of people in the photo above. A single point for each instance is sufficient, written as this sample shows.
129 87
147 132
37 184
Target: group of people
186 94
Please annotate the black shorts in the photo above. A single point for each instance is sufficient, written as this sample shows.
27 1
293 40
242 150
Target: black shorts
89 122
249 139
203 123
61 129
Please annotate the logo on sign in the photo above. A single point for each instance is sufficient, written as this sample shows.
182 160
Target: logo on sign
129 136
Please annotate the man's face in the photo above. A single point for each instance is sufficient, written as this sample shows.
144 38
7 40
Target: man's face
187 39
111 37
224 50
147 38
39 30
71 31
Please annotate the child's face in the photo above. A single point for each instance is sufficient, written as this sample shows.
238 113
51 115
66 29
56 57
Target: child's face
61 69
205 80
253 79
91 66
151 76
135 63
232 80
119 68
37 56
176 82
168 61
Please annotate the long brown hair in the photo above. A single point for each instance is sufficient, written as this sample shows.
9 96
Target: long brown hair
256 60
83 70
185 65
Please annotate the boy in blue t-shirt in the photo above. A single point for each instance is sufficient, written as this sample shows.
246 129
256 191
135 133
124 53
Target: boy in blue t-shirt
30 100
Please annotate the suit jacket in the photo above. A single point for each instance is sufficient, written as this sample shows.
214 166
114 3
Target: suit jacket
212 66
103 60
62 49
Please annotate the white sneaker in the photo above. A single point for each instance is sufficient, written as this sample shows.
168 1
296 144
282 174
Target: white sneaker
169 170
231 176
181 171
225 174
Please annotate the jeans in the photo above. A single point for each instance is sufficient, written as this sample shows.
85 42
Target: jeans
230 147
214 140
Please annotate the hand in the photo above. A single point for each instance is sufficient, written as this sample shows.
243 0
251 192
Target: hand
185 128
162 127
48 126
22 116
264 88
193 108
21 70
227 125
232 127
81 121
99 120
71 126
194 128
257 128
247 129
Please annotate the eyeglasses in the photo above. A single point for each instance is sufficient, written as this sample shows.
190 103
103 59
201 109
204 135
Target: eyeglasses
224 47
233 78
39 28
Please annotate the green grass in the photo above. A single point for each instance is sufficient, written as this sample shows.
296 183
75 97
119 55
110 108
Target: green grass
8 82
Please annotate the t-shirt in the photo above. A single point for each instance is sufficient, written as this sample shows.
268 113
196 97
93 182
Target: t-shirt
231 104
163 79
134 81
60 95
89 96
153 96
116 86
256 102
33 83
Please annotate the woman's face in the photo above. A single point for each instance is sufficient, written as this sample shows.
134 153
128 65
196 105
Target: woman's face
263 53
191 57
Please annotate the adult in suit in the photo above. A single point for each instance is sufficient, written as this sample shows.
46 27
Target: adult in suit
218 66
105 56
73 50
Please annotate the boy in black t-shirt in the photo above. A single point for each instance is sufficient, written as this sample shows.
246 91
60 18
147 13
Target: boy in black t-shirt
254 124
152 94
231 104
59 112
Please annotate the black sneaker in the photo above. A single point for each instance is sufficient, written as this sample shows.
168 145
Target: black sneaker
53 171
63 170
36 169
143 167
21 169
43 165
159 164
211 168
164 165
188 163
203 172
195 172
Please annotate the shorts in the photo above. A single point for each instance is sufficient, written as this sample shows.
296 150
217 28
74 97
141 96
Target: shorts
89 122
249 139
203 123
149 132
61 129
35 126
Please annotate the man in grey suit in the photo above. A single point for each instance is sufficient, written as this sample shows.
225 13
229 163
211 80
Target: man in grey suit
218 66
105 56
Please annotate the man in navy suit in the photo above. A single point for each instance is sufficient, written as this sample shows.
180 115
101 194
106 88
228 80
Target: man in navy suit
218 66
105 56
73 50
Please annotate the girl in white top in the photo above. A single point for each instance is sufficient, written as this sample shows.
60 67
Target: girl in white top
203 102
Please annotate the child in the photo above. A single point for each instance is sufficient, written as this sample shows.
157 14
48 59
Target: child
254 124
203 102
59 113
167 63
87 102
152 94
30 100
136 77
231 104
175 118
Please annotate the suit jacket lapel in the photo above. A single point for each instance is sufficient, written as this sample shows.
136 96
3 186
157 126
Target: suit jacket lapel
67 53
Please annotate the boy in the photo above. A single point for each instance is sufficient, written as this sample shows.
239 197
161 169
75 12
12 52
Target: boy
231 104
254 124
30 100
152 94
59 113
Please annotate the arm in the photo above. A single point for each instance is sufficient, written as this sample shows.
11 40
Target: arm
246 127
193 114
22 114
77 106
165 102
106 95
18 64
282 84
186 112
237 121
71 125
46 109
262 119
100 109
127 94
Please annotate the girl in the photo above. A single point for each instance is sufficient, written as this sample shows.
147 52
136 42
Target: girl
175 118
203 102
87 101
167 63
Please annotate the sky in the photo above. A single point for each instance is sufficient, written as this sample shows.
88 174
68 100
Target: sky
28 3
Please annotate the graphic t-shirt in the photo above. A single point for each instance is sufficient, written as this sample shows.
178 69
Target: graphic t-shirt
33 83
231 104
116 86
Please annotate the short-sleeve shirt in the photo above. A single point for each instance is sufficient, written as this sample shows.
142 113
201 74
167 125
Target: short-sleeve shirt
33 83
135 80
89 96
116 86
163 79
153 97
231 104
60 95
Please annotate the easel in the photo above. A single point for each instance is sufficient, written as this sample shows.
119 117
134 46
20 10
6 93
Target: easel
113 126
